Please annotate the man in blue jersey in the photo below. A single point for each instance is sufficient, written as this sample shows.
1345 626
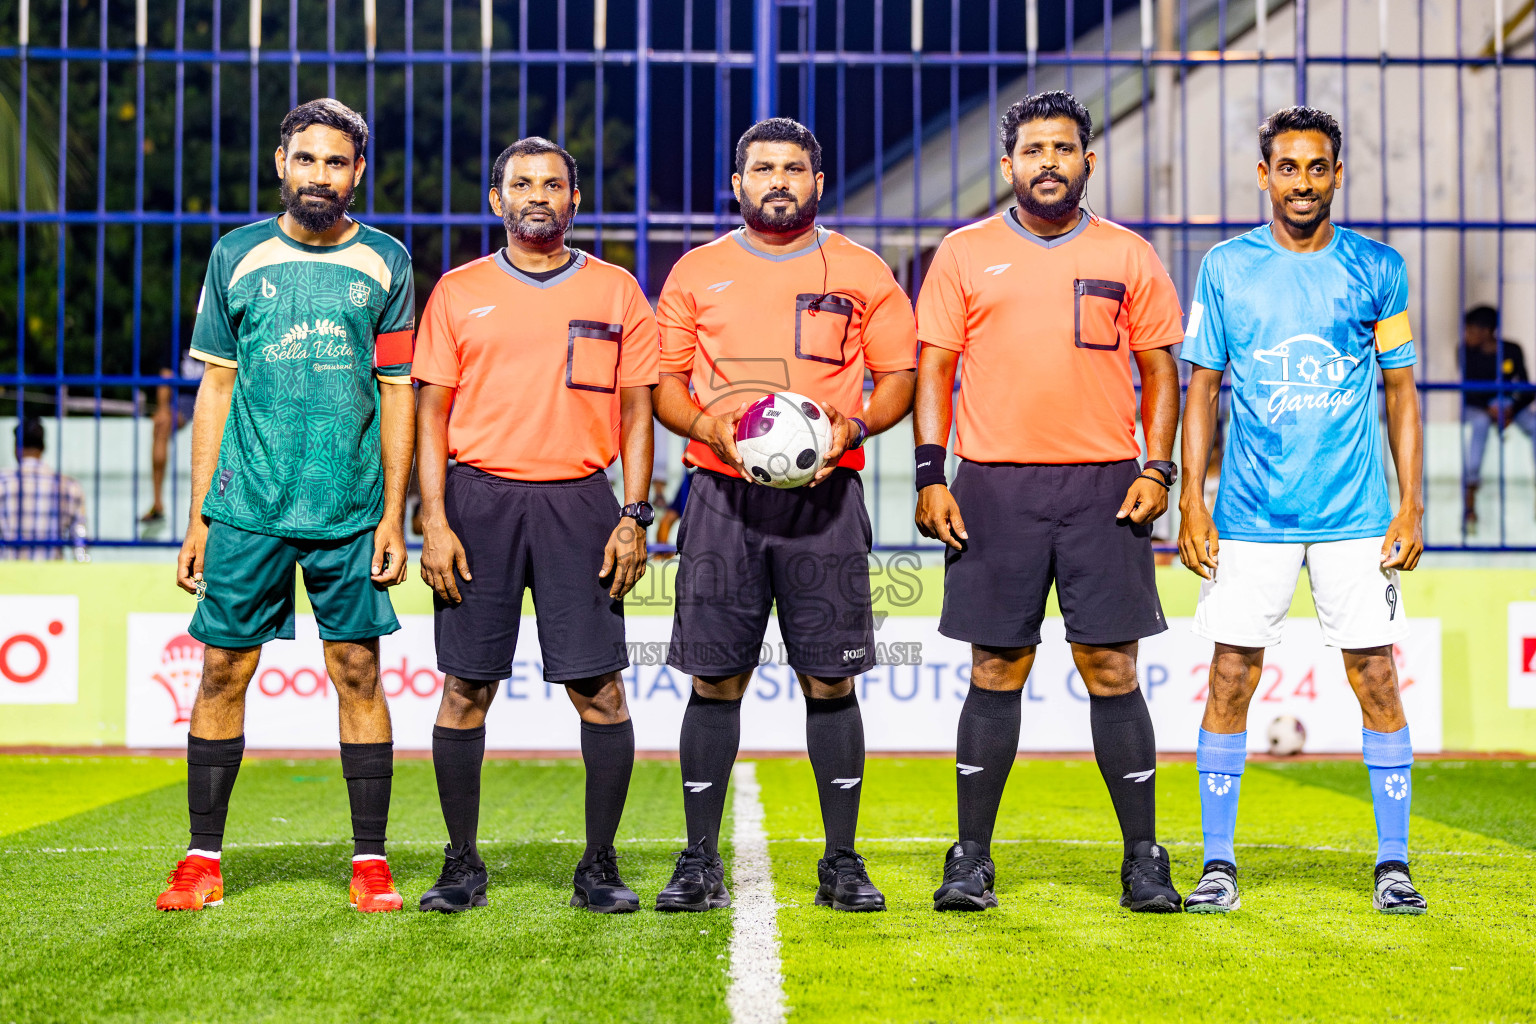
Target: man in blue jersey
1302 312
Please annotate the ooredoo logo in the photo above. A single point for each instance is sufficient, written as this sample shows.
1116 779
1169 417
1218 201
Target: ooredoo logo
39 649
24 657
180 673
399 679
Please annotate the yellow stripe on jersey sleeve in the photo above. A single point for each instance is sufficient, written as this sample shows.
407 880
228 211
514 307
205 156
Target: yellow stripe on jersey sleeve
275 252
210 358
1393 332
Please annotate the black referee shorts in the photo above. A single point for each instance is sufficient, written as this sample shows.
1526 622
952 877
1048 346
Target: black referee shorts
744 547
548 536
1032 525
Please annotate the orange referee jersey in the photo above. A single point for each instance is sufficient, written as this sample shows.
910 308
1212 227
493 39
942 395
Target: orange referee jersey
1046 328
741 323
537 364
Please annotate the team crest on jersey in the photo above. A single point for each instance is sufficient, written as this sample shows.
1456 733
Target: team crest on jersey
358 293
1307 373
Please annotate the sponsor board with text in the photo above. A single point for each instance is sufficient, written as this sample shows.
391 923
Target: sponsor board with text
911 701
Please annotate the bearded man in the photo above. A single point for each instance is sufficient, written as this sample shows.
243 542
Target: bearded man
1048 304
299 457
779 304
545 357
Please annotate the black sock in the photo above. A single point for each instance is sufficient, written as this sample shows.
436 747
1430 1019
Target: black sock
707 750
456 758
1126 750
608 751
211 769
834 737
369 769
987 743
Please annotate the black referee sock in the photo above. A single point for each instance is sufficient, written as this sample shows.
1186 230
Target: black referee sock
608 751
369 769
987 743
834 738
1126 750
211 769
457 755
706 751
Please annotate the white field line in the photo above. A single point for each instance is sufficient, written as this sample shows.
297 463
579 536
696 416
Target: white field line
942 841
756 992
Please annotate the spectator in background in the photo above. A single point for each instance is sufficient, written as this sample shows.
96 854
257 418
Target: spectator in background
39 505
1487 357
173 410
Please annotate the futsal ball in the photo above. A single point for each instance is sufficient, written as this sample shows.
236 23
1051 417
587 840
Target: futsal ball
1286 736
783 439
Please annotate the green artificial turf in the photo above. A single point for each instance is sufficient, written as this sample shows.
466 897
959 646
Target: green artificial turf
1306 945
1491 797
42 789
79 940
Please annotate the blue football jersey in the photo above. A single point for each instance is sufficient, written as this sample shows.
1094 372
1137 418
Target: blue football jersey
1303 334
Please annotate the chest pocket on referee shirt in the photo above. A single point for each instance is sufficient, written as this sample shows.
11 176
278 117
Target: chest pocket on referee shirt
1096 309
821 328
592 356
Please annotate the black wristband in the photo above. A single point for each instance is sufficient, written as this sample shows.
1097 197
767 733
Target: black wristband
930 460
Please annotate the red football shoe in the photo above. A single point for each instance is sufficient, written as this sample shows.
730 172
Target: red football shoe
195 884
373 888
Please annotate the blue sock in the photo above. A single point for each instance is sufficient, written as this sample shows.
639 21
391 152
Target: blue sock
1219 760
1389 756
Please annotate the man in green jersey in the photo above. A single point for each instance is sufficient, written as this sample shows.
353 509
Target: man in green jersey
299 457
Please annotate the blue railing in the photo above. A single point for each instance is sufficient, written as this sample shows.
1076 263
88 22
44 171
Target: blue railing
145 130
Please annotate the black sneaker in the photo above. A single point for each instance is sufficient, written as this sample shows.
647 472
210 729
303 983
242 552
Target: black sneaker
599 887
698 882
1395 893
462 883
1145 881
968 878
845 885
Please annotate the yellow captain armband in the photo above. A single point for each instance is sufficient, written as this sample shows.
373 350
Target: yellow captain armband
1393 332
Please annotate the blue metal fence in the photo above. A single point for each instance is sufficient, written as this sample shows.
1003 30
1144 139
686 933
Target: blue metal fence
151 124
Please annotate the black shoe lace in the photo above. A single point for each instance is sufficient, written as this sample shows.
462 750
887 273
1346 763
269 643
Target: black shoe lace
1150 871
603 865
457 868
846 863
692 862
961 868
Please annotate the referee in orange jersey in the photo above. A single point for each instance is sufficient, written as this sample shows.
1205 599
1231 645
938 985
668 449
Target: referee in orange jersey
1048 303
546 357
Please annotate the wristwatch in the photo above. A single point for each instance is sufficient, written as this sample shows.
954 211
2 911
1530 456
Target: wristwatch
641 512
1168 470
861 430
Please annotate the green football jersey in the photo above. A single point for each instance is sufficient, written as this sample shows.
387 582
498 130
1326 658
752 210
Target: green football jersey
307 329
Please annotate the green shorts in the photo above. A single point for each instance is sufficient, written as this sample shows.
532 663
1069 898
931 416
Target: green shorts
249 588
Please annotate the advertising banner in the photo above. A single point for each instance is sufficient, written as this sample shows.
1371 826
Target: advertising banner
910 702
39 649
1522 654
